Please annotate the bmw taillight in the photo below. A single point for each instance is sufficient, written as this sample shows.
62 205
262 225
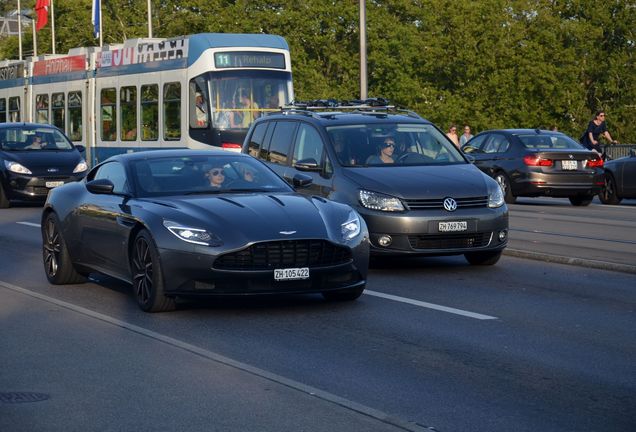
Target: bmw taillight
231 146
534 160
595 163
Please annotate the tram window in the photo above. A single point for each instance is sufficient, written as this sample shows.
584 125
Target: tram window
42 108
150 112
3 110
256 141
14 109
58 109
199 106
128 113
172 111
75 116
109 114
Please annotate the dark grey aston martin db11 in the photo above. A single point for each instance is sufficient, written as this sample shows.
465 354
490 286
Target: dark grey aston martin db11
184 222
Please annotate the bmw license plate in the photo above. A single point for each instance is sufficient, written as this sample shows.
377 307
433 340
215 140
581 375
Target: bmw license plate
453 226
291 273
569 165
52 184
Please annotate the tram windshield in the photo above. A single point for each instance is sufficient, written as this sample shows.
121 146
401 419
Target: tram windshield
237 98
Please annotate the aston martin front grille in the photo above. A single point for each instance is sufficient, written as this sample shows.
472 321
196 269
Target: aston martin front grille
438 203
285 254
450 241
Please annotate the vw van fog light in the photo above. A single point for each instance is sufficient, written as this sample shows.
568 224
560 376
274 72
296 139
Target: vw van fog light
502 235
385 240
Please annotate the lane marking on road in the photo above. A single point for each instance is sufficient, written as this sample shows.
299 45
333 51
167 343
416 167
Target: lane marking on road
381 416
29 224
430 305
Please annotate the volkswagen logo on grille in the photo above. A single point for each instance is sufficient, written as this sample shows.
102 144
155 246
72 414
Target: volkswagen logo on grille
450 204
52 170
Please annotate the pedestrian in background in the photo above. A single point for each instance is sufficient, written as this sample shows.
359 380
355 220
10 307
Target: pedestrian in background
465 136
595 129
452 135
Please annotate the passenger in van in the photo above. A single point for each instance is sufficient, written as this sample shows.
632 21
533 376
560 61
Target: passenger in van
385 153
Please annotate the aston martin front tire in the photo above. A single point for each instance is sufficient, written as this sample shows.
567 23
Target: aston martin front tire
147 276
58 265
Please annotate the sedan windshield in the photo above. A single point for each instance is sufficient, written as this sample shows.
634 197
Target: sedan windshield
33 139
201 175
392 144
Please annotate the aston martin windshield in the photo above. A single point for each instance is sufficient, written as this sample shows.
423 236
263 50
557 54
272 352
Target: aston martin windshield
391 144
190 175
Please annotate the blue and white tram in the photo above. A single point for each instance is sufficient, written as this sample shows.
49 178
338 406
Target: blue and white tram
193 91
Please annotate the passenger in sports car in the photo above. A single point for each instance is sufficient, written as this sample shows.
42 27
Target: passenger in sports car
215 177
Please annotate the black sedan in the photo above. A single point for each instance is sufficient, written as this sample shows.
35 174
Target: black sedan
34 158
186 223
533 162
620 179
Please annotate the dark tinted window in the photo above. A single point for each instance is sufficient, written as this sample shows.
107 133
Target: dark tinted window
309 145
549 141
281 142
256 140
496 143
114 172
475 143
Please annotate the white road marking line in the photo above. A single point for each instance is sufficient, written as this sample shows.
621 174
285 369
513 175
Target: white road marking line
396 298
430 305
213 356
30 224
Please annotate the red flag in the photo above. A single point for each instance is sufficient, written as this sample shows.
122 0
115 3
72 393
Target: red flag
42 11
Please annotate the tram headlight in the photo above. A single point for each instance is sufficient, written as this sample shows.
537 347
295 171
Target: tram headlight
80 167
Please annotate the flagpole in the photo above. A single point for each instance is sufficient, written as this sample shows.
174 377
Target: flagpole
149 20
35 40
53 26
20 29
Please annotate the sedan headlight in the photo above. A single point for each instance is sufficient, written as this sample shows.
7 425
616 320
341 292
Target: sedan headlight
193 235
81 167
495 196
351 228
17 168
378 201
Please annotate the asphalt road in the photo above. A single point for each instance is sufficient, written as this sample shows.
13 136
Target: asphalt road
525 345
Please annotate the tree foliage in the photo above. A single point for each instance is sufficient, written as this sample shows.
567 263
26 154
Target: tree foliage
489 63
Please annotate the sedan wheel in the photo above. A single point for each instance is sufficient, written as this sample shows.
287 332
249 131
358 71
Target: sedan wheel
581 200
57 261
483 258
147 276
504 183
608 195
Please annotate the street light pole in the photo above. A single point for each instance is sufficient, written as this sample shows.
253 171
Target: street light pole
363 50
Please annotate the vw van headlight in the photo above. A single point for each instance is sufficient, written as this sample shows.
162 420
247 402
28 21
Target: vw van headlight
495 196
378 201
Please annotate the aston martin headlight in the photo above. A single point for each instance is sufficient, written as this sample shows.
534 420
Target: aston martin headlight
81 167
378 201
495 196
17 168
351 228
193 235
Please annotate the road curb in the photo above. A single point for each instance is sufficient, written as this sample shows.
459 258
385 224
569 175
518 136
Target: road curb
582 262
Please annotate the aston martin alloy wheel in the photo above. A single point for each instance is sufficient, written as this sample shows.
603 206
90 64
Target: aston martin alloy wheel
147 277
57 261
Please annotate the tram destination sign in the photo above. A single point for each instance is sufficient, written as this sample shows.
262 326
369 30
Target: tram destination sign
13 71
242 59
